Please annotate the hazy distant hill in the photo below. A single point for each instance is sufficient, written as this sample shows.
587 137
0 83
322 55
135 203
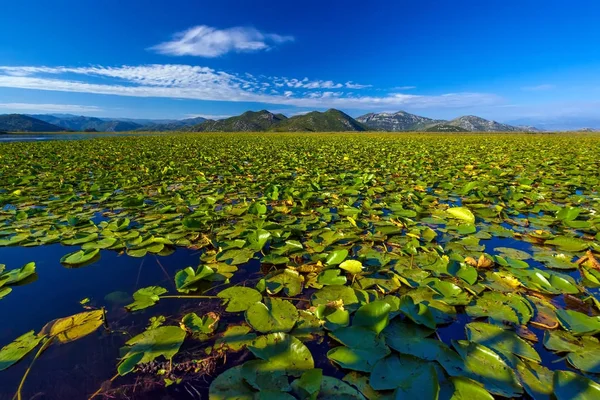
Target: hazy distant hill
82 123
399 121
329 121
24 123
179 125
250 121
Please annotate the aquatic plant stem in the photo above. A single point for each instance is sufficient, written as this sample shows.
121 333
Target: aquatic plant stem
188 297
39 352
97 392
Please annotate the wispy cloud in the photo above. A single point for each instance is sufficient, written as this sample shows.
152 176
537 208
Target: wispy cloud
203 83
403 87
44 108
538 88
206 41
280 82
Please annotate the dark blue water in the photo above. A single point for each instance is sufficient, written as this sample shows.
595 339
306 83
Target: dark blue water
71 370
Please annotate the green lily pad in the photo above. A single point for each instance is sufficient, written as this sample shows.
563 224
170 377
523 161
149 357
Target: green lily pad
230 385
373 316
150 344
408 375
336 257
185 279
486 367
352 266
418 313
569 385
578 323
239 298
461 213
501 307
568 243
331 277
274 315
283 352
146 297
501 340
19 348
287 280
332 293
80 257
236 337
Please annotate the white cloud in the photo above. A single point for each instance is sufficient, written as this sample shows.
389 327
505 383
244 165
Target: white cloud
316 84
203 83
206 41
538 88
404 87
44 108
351 85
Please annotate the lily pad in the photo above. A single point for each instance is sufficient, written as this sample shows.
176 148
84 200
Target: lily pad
150 344
19 348
80 258
74 327
274 315
146 297
239 298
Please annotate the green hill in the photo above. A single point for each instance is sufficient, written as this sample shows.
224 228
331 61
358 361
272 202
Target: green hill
250 121
329 121
24 123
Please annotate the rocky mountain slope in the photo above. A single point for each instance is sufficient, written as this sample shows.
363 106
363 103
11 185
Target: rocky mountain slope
398 121
403 121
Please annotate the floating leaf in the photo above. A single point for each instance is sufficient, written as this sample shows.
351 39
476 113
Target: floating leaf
336 257
461 213
569 385
287 280
206 324
352 266
74 327
239 298
502 307
568 243
80 257
146 297
19 348
501 340
283 352
578 323
487 367
230 385
186 278
275 315
150 344
373 316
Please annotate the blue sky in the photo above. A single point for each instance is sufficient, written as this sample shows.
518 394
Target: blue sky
526 61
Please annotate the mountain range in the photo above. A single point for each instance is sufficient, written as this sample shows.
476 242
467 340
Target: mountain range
259 121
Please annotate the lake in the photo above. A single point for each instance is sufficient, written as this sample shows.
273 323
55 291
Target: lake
287 252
